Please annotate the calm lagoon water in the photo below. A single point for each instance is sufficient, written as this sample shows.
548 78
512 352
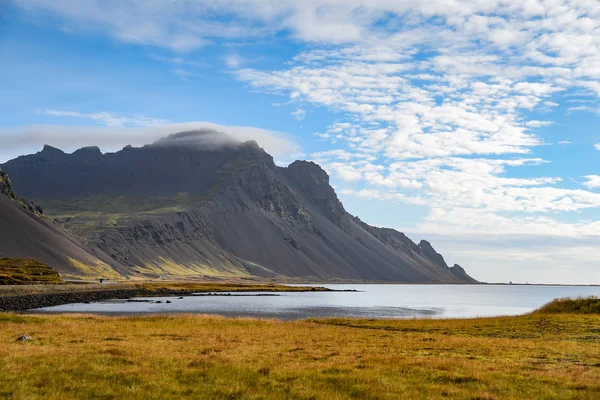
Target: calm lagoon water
371 301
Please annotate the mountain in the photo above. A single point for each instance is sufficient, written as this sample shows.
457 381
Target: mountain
201 203
25 232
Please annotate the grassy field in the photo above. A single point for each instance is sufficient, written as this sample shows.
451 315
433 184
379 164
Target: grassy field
22 271
537 356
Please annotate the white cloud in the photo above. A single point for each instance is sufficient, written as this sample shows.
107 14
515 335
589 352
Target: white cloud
345 171
554 32
476 184
597 146
593 181
300 114
477 116
341 154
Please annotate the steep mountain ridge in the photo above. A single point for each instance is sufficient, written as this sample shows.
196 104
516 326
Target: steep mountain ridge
25 232
200 203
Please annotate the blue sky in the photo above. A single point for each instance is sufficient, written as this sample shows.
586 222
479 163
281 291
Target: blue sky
473 124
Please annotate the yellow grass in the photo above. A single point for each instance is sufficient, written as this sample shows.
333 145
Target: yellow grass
97 271
81 357
166 266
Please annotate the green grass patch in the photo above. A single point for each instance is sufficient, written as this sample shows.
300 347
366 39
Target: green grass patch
115 205
580 305
24 271
86 216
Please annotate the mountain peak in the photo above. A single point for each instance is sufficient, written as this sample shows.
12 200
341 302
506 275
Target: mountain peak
309 170
312 180
89 149
251 143
88 152
429 252
51 152
208 139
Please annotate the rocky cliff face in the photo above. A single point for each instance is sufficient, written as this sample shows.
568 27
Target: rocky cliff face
7 190
199 203
5 185
312 182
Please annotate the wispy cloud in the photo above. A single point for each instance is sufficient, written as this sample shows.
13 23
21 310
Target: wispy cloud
179 61
588 109
234 61
479 115
109 119
118 131
300 114
183 68
183 74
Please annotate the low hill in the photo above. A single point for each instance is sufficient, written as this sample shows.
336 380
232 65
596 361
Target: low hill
23 271
200 203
